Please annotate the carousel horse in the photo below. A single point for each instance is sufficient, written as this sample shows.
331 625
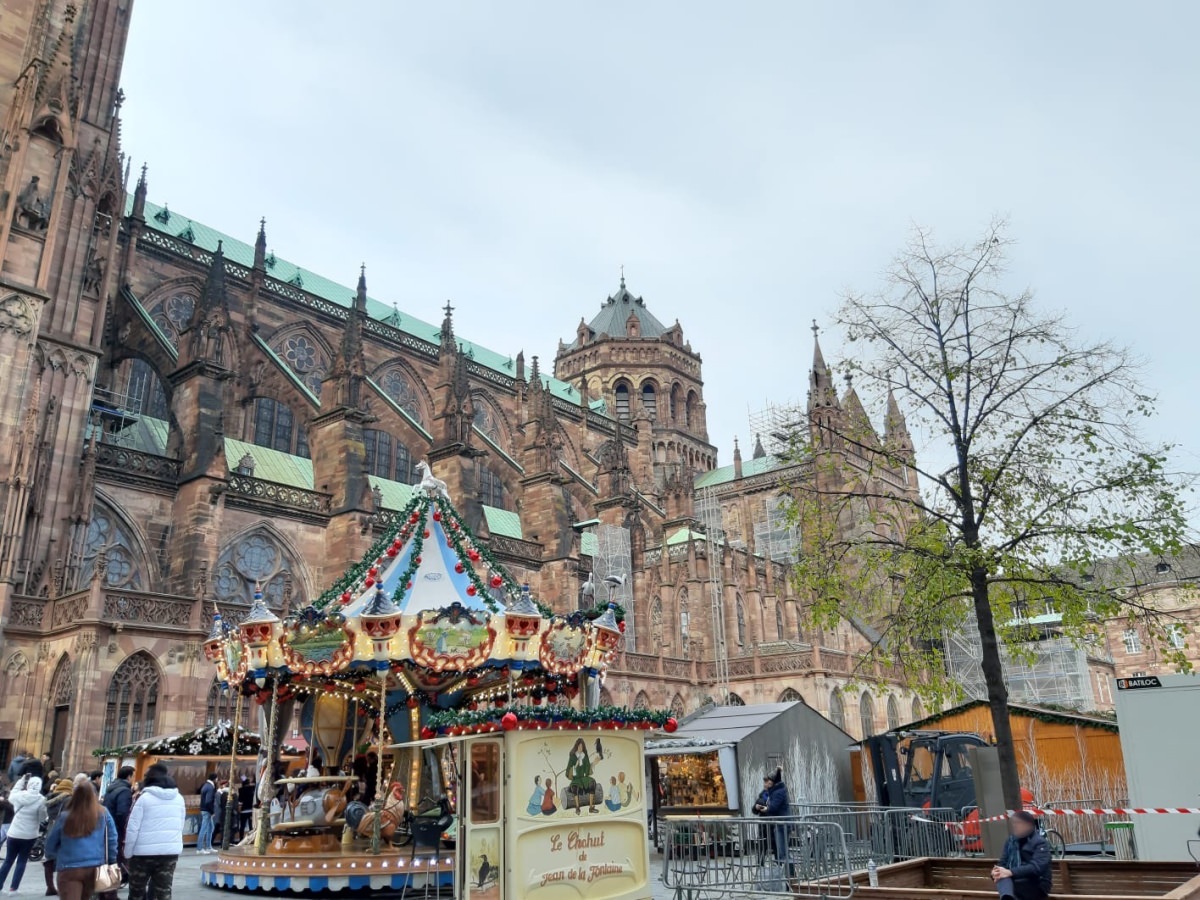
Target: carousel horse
390 817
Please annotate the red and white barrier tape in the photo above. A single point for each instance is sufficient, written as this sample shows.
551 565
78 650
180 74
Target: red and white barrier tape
1131 811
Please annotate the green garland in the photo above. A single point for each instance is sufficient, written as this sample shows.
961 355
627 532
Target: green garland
215 740
599 609
548 715
356 573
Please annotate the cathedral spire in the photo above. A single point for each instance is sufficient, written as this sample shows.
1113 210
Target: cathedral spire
139 197
448 328
759 451
260 246
214 296
737 458
360 296
821 391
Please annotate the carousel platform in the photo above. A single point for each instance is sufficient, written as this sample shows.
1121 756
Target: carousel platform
396 869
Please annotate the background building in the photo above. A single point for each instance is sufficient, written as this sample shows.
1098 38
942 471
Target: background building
187 415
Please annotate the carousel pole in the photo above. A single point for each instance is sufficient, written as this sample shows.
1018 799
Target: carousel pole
227 825
264 818
380 800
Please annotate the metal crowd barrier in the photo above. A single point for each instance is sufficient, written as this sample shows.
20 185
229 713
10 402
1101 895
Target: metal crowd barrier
889 835
785 856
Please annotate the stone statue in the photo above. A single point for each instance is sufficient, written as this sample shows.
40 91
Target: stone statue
33 210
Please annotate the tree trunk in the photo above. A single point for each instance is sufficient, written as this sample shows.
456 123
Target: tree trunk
993 676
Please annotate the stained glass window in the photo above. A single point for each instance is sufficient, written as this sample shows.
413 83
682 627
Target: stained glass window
259 558
108 539
395 384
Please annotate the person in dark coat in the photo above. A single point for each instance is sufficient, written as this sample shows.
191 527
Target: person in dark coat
773 803
245 806
1024 869
118 800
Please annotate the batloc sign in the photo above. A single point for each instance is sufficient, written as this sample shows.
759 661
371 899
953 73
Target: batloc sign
1142 681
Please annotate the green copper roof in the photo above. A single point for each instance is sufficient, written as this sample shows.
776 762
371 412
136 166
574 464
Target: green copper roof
146 435
589 544
502 522
684 536
724 474
395 494
168 222
615 312
271 465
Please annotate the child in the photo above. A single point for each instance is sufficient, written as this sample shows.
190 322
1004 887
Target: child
614 795
535 800
548 807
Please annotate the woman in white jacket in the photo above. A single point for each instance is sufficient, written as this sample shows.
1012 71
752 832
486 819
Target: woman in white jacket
154 835
29 808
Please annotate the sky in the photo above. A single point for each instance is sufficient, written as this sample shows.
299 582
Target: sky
747 163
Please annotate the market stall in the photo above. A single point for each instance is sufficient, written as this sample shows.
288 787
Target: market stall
455 700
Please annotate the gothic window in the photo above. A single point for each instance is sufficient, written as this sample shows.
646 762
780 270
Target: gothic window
306 358
405 471
741 621
893 713
387 458
222 706
132 702
144 392
275 427
650 400
622 398
779 620
691 411
397 386
491 489
256 557
684 624
866 715
790 695
656 622
641 701
735 700
485 422
62 688
837 709
108 539
677 707
606 698
172 315
918 709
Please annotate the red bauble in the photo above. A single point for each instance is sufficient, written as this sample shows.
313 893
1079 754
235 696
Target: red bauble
392 551
414 518
427 733
455 730
369 581
373 571
472 706
508 721
537 701
471 590
497 581
408 587
670 725
459 568
473 555
413 702
499 702
621 627
437 515
346 597
425 533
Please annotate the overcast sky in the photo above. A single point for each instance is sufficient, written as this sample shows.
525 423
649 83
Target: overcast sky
746 162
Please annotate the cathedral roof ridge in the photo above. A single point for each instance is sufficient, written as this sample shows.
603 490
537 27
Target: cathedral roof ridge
168 222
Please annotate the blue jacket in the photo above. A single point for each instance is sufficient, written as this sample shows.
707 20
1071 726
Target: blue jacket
777 800
208 797
1029 861
85 852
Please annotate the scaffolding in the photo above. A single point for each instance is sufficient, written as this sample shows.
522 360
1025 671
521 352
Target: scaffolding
709 509
1049 668
612 569
778 425
777 538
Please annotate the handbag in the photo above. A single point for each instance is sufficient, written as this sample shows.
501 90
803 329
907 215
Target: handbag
108 875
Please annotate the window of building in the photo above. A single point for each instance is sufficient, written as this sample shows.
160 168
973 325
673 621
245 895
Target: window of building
866 715
650 400
622 398
131 704
893 713
397 385
485 782
741 621
145 392
275 427
779 620
735 700
918 709
837 709
674 403
1133 641
491 488
684 624
222 706
790 695
1177 636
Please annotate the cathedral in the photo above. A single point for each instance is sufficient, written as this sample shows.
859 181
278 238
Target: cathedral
187 417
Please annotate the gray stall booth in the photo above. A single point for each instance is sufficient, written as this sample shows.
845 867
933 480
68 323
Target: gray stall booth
715 763
1160 740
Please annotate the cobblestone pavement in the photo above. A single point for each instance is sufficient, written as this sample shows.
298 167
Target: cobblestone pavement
188 887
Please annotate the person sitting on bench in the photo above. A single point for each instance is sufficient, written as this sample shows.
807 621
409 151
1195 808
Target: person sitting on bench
1024 869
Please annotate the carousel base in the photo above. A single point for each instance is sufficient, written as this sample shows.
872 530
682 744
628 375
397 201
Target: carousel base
343 869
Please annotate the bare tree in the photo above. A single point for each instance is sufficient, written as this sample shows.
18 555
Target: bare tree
1038 471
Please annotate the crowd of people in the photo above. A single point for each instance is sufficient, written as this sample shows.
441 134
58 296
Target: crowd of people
138 831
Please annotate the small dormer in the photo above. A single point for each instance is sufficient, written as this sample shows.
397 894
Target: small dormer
633 326
674 334
582 334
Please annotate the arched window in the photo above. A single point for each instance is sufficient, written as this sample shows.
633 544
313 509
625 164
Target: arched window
144 391
650 400
790 695
172 315
779 620
674 403
109 539
684 625
275 427
656 625
691 413
677 707
396 384
837 709
387 458
735 700
918 709
131 705
485 421
741 621
893 714
306 358
62 696
257 557
491 488
641 701
866 715
222 706
622 397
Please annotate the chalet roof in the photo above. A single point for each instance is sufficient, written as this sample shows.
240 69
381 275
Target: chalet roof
1042 713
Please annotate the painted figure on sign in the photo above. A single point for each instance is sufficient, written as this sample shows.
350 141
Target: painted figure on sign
614 796
582 785
548 807
535 800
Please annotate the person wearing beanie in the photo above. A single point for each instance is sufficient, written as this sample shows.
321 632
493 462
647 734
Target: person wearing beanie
1023 872
56 802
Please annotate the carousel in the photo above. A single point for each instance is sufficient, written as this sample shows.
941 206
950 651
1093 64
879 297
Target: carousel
455 742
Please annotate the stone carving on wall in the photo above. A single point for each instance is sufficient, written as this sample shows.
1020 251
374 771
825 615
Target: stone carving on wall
256 557
33 208
109 540
15 315
27 614
151 610
17 665
62 688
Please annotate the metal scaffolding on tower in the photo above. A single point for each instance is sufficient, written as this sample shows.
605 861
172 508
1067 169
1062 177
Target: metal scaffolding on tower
613 572
710 516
